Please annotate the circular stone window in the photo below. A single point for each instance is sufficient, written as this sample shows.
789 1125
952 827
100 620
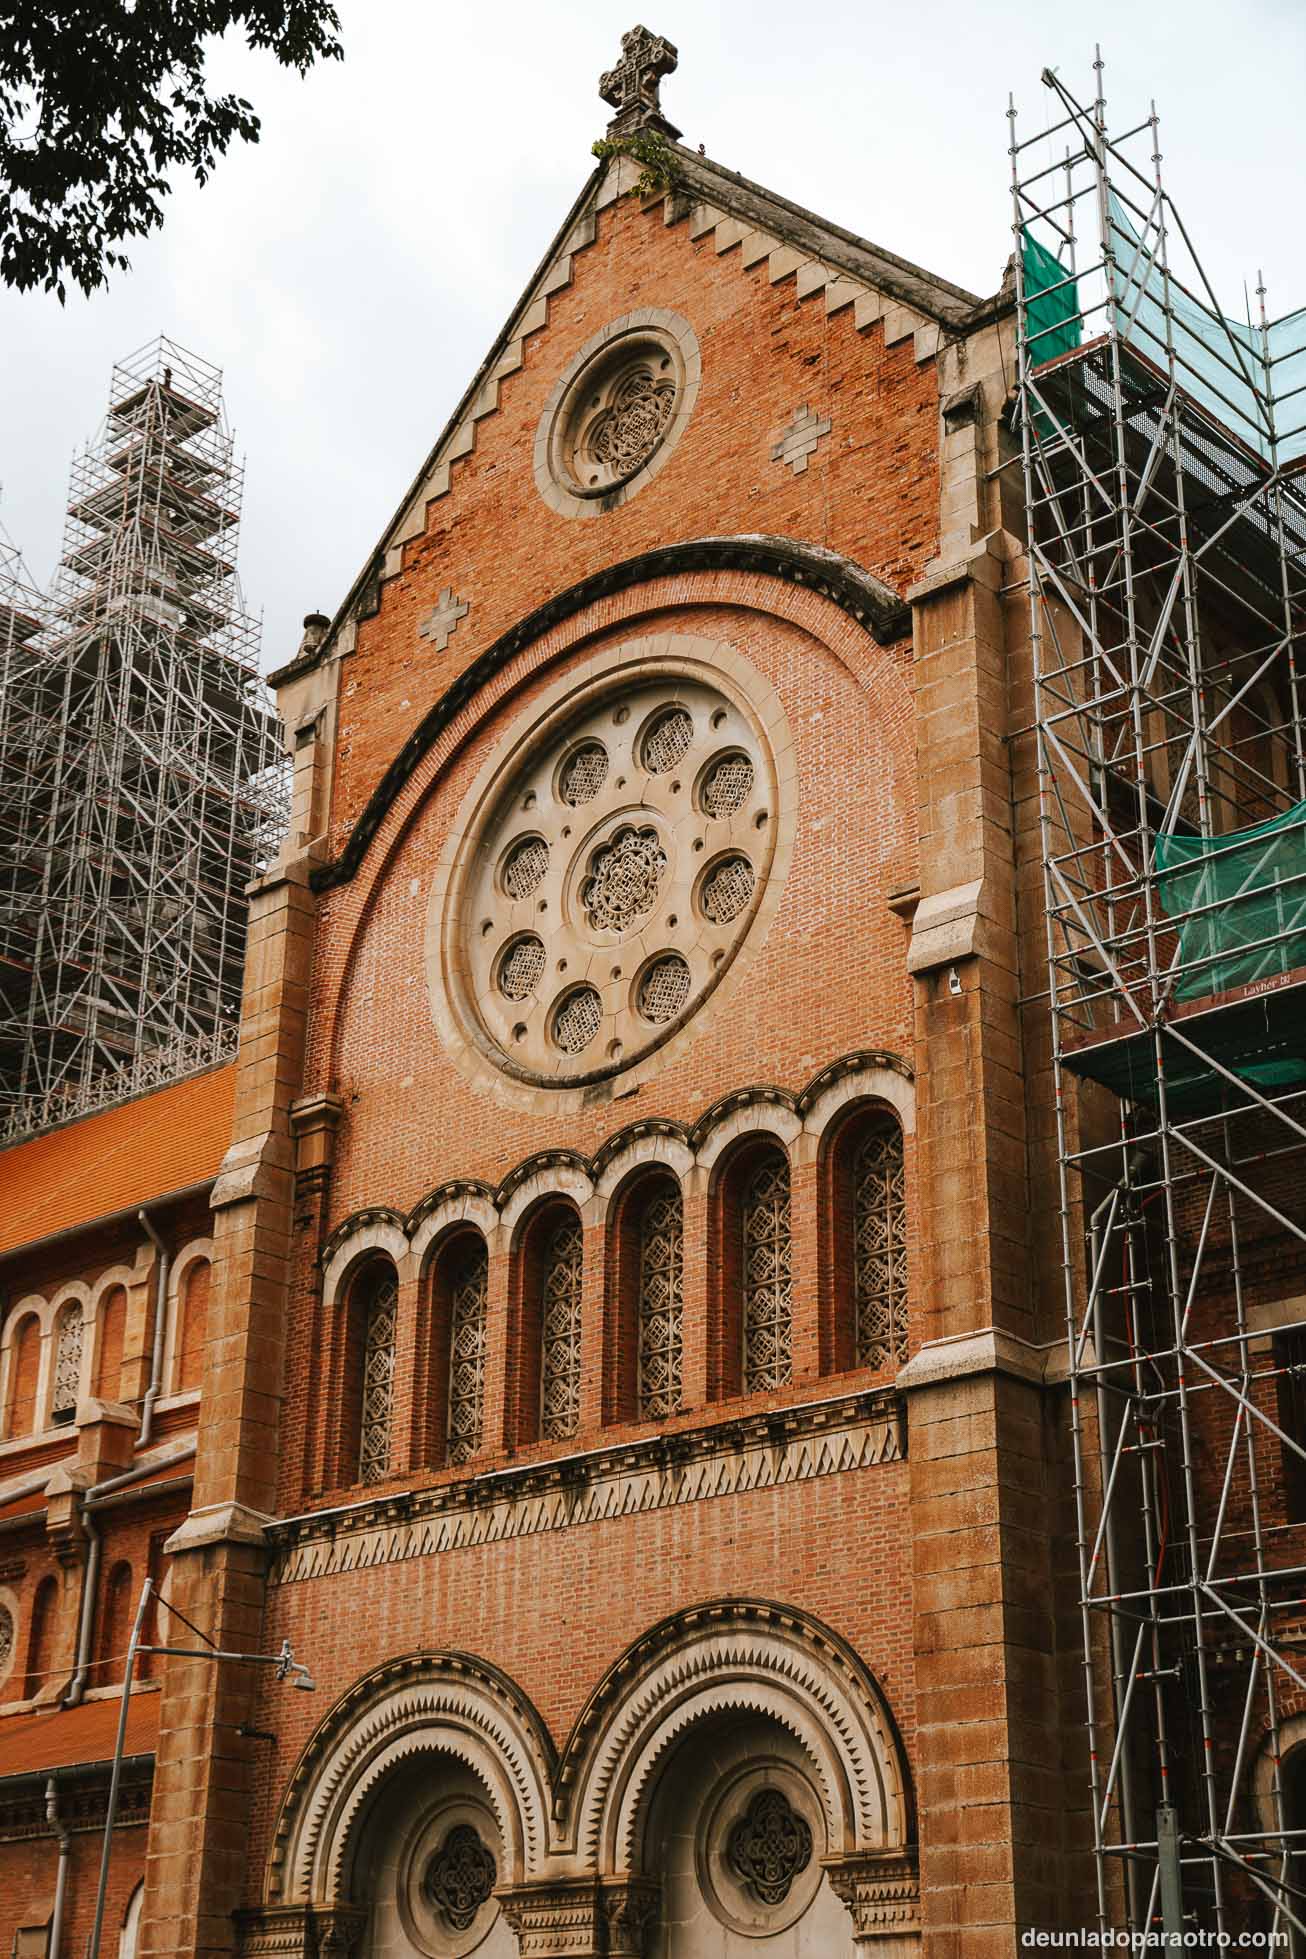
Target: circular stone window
447 1872
760 1847
616 413
611 869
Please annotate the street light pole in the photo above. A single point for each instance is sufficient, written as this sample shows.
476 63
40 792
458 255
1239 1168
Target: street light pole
287 1668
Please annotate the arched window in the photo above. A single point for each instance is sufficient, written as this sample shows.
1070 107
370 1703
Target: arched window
115 1625
131 1924
468 1277
661 1237
380 1314
767 1269
24 1370
879 1261
560 1297
192 1326
41 1636
67 1363
112 1316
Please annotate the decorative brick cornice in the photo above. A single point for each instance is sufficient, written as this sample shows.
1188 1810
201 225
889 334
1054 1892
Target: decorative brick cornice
865 598
788 1445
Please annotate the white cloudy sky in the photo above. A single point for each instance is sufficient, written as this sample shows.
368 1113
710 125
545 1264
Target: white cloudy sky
349 271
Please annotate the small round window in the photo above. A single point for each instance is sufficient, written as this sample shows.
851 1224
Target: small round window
616 412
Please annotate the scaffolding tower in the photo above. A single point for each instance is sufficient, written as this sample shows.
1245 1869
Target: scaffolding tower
141 765
1163 446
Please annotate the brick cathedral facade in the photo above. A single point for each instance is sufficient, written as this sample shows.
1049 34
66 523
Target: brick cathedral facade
633 1376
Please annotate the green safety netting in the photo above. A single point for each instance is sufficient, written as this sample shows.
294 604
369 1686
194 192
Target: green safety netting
1052 323
1240 905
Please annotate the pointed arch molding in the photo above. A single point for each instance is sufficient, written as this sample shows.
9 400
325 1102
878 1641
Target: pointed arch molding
424 1704
584 1814
855 591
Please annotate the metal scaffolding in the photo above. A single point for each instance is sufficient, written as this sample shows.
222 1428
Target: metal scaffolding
1162 449
141 766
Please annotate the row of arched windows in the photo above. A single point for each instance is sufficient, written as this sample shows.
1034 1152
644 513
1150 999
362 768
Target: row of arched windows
87 1351
752 1257
47 1650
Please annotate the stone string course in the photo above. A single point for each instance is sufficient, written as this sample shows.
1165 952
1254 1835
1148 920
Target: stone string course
823 1442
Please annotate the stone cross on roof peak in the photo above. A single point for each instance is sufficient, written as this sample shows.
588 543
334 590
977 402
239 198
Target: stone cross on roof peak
633 86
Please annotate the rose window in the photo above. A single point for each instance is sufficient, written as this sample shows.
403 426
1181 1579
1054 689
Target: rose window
608 877
624 878
616 413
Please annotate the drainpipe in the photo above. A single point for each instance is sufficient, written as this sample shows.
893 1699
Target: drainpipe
61 1832
86 1617
91 1571
160 1322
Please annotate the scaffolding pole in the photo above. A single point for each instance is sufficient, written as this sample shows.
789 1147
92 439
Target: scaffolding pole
141 760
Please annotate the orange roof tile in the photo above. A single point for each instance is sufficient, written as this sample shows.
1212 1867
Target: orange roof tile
65 1737
22 1506
117 1159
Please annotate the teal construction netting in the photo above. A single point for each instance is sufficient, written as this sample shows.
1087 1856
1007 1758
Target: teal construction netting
1239 902
1253 380
1052 323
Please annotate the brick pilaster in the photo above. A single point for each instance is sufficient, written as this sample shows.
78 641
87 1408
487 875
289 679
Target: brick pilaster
198 1840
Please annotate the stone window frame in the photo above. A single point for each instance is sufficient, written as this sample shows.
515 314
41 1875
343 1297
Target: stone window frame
69 1307
624 1278
734 1167
840 1334
635 662
456 1244
31 1307
641 324
530 1248
372 1266
379 1344
193 1252
46 1591
117 1278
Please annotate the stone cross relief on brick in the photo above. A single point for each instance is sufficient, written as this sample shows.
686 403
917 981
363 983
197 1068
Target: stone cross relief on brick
799 440
442 619
633 87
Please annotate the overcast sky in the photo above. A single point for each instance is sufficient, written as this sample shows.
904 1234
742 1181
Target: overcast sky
349 271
